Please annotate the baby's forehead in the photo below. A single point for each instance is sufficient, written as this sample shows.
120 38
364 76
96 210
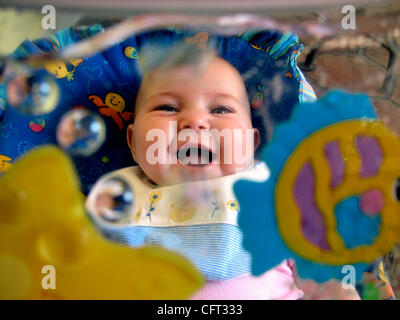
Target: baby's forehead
220 74
201 64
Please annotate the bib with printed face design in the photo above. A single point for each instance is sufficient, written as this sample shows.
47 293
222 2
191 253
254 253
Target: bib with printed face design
197 219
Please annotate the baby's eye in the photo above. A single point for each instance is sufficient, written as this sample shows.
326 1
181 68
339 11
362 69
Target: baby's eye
222 110
166 107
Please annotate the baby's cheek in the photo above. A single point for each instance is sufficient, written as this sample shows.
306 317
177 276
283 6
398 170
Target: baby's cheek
238 153
156 173
228 169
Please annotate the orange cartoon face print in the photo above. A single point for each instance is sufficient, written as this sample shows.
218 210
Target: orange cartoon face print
113 106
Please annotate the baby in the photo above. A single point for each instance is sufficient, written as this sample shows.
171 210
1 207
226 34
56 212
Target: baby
196 97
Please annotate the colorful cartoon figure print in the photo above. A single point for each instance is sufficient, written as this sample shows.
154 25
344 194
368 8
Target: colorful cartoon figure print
4 163
37 125
330 199
258 98
113 107
59 69
200 39
131 52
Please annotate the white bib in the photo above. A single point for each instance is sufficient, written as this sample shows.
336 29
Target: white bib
197 219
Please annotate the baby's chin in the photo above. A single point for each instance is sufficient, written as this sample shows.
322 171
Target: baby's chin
181 173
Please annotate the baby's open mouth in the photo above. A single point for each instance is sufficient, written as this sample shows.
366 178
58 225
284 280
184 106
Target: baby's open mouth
195 156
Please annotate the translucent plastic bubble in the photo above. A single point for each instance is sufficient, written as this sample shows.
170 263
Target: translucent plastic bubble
114 200
81 132
36 93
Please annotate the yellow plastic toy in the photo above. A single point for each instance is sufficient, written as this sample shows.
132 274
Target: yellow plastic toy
49 249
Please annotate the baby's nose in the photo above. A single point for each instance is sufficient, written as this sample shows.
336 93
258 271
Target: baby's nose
195 120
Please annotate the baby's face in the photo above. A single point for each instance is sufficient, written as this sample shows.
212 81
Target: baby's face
195 101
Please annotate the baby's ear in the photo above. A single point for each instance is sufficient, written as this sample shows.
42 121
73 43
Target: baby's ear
129 138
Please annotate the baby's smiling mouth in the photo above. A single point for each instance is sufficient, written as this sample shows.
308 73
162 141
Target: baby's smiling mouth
195 156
